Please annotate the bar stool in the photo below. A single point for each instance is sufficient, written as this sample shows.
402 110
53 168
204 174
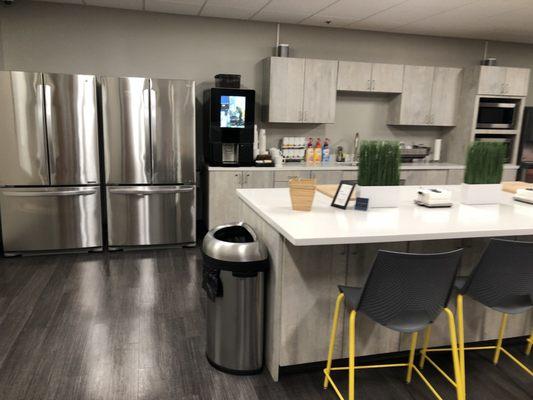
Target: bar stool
502 281
403 292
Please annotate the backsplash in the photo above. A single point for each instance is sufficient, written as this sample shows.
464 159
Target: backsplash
356 112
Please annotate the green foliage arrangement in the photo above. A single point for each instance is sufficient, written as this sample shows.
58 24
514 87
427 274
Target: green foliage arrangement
379 163
484 163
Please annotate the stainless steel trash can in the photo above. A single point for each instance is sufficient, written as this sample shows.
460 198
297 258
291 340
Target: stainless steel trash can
234 265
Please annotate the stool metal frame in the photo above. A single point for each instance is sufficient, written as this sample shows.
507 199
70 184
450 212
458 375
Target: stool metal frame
511 299
439 270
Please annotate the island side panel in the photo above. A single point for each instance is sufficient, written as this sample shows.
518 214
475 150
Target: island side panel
310 276
274 242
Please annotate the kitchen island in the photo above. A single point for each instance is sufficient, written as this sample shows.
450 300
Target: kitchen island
313 252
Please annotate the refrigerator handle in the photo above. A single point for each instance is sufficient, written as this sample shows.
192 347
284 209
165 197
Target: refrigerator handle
149 191
49 128
146 102
50 194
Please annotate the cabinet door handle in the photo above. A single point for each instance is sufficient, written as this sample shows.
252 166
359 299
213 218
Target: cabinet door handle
369 84
246 178
373 84
240 178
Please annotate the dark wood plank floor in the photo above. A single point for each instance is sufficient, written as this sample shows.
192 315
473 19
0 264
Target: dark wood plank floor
131 326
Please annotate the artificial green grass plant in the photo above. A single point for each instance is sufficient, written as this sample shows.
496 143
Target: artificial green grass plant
379 163
484 163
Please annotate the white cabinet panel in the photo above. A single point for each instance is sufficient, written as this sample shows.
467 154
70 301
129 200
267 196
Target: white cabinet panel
320 91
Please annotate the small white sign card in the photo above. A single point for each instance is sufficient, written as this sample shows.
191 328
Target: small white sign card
344 192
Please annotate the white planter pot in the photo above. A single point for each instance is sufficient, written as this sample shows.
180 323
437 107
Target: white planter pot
481 194
380 196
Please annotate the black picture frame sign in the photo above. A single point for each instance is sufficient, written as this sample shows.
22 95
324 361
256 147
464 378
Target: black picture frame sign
343 194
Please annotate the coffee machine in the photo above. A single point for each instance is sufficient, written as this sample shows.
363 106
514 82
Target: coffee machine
229 126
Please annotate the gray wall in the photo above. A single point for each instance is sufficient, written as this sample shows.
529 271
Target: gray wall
64 38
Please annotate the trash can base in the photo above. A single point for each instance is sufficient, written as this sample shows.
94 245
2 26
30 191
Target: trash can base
233 371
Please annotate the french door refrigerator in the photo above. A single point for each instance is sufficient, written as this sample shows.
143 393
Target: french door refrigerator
49 162
149 147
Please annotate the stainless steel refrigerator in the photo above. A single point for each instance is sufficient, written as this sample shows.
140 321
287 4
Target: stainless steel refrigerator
49 162
149 147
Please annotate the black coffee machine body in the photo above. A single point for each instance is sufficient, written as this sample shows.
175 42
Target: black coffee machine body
230 122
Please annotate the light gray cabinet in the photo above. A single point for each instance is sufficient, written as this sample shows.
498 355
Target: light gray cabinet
284 89
445 96
320 91
455 176
282 178
222 197
430 96
503 81
327 177
223 203
300 90
367 77
424 177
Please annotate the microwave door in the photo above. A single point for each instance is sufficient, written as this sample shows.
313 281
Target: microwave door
72 129
172 105
126 127
23 149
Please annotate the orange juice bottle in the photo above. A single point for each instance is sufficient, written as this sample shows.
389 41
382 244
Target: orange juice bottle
318 151
309 152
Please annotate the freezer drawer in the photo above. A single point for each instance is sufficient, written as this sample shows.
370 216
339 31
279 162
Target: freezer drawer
151 215
39 219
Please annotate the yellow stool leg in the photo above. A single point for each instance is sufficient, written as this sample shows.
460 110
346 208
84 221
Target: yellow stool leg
351 360
455 356
414 337
338 304
461 340
500 339
427 335
529 344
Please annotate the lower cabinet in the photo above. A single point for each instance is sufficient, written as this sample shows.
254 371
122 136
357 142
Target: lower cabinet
223 203
282 178
424 177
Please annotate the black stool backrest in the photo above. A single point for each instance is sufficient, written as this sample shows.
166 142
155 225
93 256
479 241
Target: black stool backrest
408 291
503 278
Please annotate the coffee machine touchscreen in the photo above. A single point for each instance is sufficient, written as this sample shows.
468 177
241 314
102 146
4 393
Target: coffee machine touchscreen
232 111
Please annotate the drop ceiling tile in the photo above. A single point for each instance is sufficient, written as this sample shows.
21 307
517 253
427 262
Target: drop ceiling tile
357 9
241 9
126 4
321 20
187 7
281 17
303 7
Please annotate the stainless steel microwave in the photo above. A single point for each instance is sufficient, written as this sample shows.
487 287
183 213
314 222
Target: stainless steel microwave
497 113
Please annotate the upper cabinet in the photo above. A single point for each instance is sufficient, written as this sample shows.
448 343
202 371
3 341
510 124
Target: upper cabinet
300 90
367 77
430 96
503 81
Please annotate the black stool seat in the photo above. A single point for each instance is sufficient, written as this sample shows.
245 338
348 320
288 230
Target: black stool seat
405 292
503 278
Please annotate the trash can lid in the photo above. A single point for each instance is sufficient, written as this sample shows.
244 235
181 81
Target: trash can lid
236 242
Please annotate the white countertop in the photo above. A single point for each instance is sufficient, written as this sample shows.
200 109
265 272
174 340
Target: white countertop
326 225
346 167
